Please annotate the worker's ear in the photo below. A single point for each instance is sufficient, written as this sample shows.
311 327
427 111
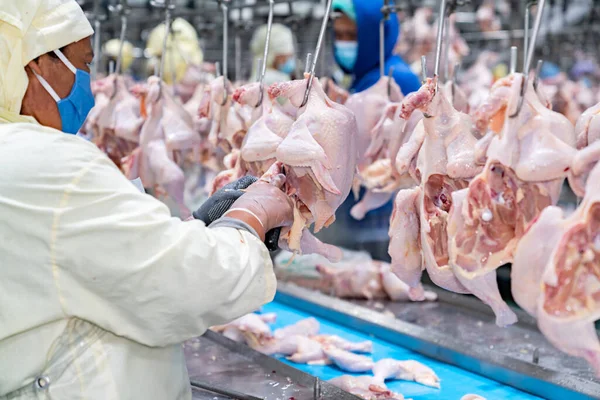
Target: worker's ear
34 65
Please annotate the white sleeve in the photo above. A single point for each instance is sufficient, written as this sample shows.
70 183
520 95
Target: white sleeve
121 262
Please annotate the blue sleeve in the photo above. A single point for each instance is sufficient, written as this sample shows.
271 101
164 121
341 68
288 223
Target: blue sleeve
406 79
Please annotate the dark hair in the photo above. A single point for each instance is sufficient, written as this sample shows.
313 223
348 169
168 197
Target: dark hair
52 54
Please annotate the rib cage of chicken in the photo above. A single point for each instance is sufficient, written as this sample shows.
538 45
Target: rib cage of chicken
440 155
556 271
526 166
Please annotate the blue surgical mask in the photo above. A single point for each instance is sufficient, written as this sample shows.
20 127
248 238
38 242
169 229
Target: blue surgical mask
289 67
346 53
75 107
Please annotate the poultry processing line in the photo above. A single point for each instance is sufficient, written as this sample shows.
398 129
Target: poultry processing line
438 209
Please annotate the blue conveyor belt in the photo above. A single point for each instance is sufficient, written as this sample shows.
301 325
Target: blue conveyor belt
455 382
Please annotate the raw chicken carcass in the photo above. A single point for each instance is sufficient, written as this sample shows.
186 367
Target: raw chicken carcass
228 126
417 36
588 127
370 280
478 79
347 361
379 175
254 323
166 135
259 148
526 166
491 112
409 370
458 48
285 346
456 96
334 92
360 281
201 125
310 352
564 290
319 158
486 17
365 387
299 348
119 122
369 107
443 148
195 76
102 90
306 327
397 290
343 344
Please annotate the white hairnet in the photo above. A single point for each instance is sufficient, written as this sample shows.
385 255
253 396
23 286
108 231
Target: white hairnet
282 42
28 29
182 48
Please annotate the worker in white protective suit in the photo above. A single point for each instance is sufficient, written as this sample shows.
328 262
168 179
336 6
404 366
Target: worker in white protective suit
182 51
281 59
99 286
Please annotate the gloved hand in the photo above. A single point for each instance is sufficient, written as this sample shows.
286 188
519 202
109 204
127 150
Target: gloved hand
267 203
223 200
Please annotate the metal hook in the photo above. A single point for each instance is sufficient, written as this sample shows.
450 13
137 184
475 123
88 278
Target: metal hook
440 34
238 57
385 11
98 18
225 10
530 53
445 48
266 53
389 83
308 61
317 50
526 32
122 9
455 73
538 71
259 62
218 69
455 80
423 69
168 6
513 60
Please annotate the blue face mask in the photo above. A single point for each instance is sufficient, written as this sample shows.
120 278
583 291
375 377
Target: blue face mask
346 53
289 67
75 107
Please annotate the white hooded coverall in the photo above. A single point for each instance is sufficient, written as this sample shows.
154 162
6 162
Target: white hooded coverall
280 43
99 286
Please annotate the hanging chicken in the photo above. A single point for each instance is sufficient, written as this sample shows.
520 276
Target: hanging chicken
440 156
119 122
380 134
556 272
318 157
526 166
166 137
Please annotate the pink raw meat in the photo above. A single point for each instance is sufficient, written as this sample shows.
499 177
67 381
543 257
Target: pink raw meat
526 166
561 281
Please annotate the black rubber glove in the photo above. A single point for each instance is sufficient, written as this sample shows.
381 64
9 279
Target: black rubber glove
223 199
